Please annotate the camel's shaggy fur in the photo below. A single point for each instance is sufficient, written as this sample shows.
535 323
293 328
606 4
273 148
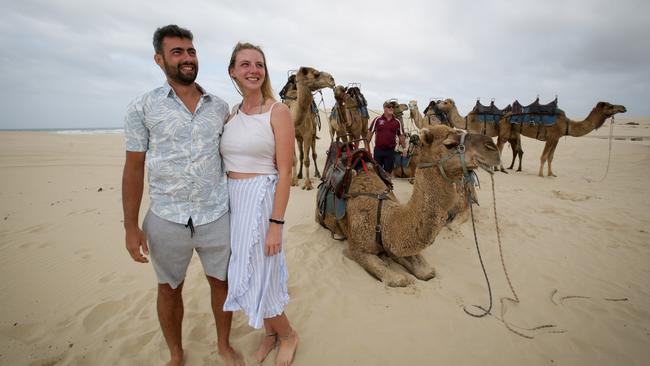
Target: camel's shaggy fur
409 228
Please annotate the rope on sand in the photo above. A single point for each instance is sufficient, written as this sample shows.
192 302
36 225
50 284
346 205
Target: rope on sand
569 297
515 298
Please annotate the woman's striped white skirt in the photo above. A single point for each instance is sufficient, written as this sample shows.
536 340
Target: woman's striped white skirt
257 284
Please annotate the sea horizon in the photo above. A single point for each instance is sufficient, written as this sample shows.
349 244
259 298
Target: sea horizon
68 130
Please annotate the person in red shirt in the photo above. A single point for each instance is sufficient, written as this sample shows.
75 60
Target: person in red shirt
387 128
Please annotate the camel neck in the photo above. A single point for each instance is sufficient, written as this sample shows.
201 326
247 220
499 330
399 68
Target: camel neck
594 120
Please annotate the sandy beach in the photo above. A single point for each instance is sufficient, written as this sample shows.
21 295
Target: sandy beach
576 249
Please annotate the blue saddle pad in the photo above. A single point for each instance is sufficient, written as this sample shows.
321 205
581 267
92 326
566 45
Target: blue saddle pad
400 160
333 205
490 118
535 119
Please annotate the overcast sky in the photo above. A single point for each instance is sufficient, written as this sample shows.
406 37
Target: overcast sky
78 63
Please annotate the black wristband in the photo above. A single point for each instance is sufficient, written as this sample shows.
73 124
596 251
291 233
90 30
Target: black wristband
279 222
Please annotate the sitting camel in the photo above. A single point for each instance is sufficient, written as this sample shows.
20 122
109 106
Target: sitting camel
407 229
562 127
348 123
308 80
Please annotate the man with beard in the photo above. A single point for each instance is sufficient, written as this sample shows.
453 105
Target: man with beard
175 131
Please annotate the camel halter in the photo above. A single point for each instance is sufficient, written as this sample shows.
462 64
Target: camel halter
460 151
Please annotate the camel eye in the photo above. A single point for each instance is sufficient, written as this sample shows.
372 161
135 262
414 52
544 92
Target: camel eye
490 146
450 143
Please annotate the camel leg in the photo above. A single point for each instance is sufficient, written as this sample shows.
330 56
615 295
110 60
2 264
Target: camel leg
500 143
378 268
294 178
301 150
418 266
520 152
542 159
306 145
550 158
513 147
314 156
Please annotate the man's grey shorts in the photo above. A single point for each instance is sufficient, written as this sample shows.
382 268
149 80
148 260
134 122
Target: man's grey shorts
171 247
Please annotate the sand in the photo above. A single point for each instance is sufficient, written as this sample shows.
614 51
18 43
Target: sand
576 249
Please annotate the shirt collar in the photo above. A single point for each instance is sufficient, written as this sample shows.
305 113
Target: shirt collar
169 91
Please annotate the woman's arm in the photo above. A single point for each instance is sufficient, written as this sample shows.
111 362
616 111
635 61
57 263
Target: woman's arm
284 135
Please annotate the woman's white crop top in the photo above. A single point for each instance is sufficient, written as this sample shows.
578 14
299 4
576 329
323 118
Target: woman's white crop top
248 144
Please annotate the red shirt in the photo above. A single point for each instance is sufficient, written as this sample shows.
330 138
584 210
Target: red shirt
386 130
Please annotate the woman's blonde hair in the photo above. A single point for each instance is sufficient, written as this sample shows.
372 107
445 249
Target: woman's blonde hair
267 90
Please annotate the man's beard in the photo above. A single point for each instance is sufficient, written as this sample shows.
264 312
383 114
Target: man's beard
175 73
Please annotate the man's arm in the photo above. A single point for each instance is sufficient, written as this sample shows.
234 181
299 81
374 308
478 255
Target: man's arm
132 188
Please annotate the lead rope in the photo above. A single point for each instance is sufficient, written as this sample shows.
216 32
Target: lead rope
505 270
480 258
514 300
609 157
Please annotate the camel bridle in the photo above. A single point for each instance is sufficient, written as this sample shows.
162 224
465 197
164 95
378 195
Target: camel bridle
460 151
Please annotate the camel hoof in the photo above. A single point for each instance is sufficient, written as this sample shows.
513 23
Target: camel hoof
299 176
427 276
399 281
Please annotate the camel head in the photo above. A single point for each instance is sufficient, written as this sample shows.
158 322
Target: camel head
446 105
440 144
609 109
402 107
289 89
339 91
413 104
314 79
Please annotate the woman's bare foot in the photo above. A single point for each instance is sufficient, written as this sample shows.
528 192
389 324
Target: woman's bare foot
176 360
288 346
231 357
267 345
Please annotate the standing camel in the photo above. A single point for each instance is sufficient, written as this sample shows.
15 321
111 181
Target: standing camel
348 122
289 95
471 123
308 80
562 127
407 229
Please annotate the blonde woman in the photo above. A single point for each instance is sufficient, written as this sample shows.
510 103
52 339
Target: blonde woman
257 150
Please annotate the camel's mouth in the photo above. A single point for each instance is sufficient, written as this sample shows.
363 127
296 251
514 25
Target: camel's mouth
484 166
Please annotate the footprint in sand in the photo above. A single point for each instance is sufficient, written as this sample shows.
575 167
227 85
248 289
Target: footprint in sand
107 278
83 253
575 197
82 212
103 313
303 228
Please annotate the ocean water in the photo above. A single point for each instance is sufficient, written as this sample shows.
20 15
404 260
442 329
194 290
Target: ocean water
73 131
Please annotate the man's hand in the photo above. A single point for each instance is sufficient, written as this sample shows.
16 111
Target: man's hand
135 239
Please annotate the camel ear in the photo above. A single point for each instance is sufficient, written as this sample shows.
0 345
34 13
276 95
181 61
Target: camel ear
426 136
453 139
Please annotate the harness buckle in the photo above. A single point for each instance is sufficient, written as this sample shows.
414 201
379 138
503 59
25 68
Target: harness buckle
461 148
377 228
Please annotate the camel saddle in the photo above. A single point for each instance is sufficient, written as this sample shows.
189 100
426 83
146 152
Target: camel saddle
535 113
489 113
342 158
